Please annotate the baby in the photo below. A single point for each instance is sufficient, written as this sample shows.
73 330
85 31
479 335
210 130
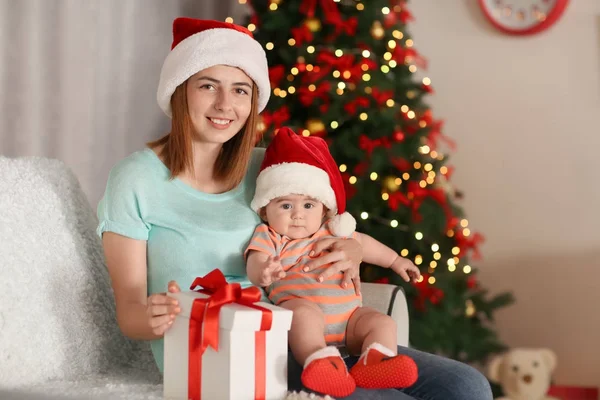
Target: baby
300 197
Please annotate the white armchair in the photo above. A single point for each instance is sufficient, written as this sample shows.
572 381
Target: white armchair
58 333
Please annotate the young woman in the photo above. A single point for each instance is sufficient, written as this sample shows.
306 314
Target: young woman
181 207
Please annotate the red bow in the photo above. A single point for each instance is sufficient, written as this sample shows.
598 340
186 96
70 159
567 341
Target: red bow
435 133
276 74
351 107
308 8
426 291
331 61
302 34
466 243
369 145
403 54
396 199
381 96
420 194
348 26
400 13
322 92
221 293
278 118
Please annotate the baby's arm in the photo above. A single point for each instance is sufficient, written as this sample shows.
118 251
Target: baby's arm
262 264
263 269
377 253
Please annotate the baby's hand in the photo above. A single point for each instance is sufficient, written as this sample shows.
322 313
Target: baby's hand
406 269
272 272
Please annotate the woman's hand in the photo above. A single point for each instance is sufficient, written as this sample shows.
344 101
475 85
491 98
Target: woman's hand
162 309
346 256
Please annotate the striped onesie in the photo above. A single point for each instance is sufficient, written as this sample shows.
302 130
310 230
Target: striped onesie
337 303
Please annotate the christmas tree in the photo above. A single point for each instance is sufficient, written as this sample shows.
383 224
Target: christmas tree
346 70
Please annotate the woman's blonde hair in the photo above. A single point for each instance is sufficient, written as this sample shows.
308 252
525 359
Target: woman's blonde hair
176 146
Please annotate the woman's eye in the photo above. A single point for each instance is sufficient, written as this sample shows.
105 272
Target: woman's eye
241 91
207 86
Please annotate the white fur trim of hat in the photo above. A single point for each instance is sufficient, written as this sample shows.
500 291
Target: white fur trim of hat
297 178
218 46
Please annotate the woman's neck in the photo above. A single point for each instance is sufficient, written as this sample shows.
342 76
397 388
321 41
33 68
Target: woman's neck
202 177
204 158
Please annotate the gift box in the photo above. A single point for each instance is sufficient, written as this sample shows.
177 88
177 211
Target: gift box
224 345
573 393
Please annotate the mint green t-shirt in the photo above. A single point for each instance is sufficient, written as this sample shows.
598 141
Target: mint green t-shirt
189 233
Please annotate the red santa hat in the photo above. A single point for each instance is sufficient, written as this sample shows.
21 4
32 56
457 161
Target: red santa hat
295 164
200 44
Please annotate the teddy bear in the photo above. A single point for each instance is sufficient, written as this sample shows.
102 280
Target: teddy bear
523 373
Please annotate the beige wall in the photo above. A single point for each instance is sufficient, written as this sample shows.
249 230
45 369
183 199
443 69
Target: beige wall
525 113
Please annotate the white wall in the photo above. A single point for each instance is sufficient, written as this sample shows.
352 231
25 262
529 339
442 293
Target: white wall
525 112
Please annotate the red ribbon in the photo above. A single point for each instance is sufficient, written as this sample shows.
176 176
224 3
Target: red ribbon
204 327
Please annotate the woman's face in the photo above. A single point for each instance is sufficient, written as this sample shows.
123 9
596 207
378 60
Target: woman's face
219 102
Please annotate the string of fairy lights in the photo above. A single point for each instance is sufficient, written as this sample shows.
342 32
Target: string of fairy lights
390 184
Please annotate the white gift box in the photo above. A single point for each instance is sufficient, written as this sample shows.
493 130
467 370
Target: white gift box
229 373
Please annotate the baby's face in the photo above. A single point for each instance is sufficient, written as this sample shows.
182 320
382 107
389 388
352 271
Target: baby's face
295 216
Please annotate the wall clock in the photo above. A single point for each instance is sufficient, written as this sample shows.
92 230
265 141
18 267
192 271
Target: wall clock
523 17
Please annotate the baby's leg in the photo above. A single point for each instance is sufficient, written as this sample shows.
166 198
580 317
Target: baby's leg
373 335
324 369
367 326
306 335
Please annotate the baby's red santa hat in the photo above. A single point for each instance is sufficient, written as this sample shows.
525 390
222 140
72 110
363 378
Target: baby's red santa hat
295 164
199 44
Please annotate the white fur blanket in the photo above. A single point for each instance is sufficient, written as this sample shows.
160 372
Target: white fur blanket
58 332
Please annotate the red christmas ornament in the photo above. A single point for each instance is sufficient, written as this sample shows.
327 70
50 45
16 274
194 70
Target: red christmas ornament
472 282
399 136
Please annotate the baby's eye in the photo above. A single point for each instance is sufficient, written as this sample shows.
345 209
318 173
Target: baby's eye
308 206
286 206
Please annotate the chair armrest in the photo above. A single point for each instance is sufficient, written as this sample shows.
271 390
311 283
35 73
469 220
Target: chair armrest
390 300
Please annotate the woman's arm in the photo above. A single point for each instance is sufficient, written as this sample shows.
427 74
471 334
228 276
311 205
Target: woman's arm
139 317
